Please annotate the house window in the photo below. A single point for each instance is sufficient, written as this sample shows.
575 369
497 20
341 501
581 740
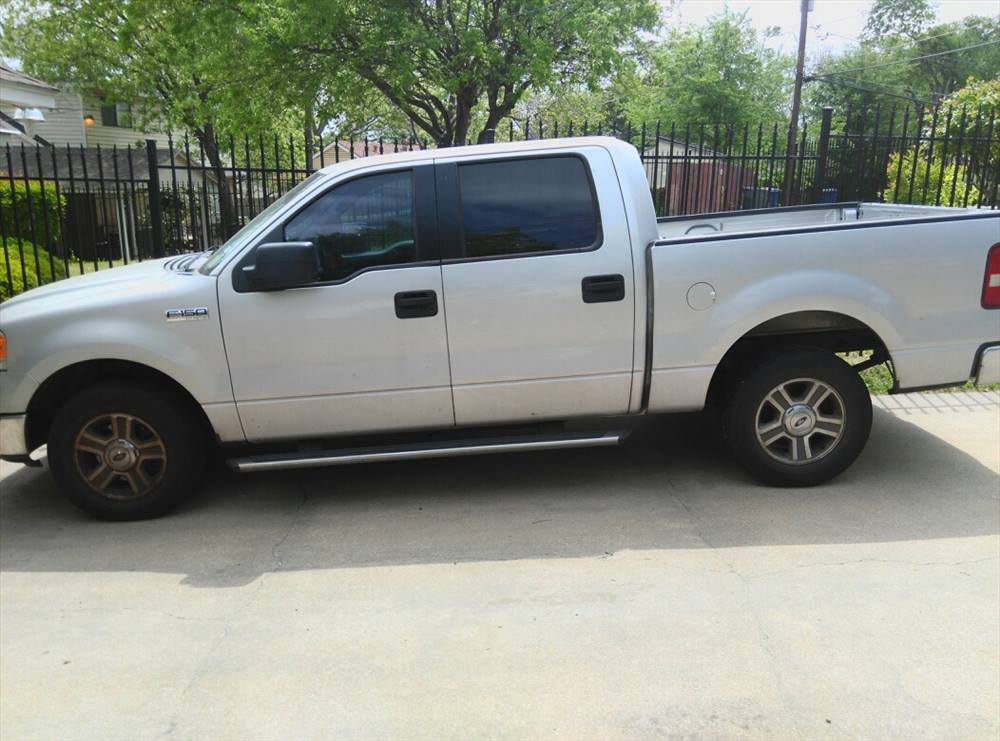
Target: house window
117 114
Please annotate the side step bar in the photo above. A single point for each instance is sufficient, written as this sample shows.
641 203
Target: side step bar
442 449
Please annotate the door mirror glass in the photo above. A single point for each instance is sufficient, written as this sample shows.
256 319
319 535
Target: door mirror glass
281 265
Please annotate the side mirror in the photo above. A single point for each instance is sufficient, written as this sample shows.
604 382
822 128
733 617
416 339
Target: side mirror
281 265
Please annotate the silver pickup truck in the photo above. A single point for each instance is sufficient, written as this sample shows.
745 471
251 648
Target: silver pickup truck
471 300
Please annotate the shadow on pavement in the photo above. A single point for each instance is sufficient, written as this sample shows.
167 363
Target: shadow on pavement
671 486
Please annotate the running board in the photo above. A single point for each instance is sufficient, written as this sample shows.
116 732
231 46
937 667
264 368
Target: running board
443 449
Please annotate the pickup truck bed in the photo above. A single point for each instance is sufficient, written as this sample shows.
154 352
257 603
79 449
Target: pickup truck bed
790 217
904 275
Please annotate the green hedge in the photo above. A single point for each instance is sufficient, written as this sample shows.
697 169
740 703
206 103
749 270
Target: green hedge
9 253
916 170
46 207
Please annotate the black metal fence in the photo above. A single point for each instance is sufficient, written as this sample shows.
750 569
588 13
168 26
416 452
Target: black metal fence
67 210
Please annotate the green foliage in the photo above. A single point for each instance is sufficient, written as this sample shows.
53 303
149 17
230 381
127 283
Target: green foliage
898 18
897 68
177 58
35 203
861 93
971 107
721 72
439 63
600 109
913 172
37 273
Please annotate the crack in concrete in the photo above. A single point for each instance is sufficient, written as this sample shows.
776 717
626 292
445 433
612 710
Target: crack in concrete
903 562
204 662
296 517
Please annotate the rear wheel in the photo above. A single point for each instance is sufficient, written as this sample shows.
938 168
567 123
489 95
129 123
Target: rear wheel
799 418
122 452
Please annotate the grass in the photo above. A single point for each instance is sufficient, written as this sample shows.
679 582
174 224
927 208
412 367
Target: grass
879 379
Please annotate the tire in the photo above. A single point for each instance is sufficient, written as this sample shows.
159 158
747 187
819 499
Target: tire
799 418
125 452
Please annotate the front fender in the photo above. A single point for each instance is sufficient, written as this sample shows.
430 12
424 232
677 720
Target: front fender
123 318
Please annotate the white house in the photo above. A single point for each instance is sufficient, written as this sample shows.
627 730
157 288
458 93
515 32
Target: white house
35 111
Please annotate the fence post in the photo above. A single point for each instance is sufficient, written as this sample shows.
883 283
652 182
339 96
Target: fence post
823 151
155 205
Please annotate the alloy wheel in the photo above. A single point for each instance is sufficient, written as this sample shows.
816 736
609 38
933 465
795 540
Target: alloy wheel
120 456
800 421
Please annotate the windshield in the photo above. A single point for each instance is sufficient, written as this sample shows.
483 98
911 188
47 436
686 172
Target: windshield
236 242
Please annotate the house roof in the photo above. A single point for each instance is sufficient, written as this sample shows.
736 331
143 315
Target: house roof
343 149
680 143
131 165
13 76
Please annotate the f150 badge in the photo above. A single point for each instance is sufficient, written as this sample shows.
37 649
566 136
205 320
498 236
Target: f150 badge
181 315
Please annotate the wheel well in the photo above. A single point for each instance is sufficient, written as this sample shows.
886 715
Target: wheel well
60 386
828 330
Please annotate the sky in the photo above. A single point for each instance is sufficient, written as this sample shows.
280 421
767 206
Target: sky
833 24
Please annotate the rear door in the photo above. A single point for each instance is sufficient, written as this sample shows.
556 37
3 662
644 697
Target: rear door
538 286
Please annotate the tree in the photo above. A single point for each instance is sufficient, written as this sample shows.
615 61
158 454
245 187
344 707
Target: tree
846 83
972 108
599 110
176 60
439 63
895 68
898 18
721 72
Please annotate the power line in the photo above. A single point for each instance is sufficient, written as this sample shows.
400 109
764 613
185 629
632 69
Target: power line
908 61
836 20
876 91
937 35
818 30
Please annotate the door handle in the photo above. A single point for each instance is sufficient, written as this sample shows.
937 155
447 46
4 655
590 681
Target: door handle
600 288
414 304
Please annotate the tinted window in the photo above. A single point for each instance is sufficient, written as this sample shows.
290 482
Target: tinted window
524 206
364 223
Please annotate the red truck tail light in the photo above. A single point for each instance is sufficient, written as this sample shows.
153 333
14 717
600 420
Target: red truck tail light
991 281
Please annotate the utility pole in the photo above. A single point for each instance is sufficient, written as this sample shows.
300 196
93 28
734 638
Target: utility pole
793 127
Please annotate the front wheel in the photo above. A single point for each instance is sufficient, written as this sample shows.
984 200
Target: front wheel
123 452
799 418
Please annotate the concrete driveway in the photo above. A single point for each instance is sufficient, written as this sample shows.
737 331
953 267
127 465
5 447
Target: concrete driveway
644 592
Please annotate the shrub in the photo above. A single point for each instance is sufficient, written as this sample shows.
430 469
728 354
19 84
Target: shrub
935 175
46 208
36 275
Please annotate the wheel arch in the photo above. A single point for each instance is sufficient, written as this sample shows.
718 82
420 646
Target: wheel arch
828 330
55 390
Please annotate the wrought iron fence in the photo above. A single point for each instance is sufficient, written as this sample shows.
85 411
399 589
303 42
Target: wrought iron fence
67 210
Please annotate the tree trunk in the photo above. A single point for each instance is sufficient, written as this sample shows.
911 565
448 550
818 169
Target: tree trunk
227 211
310 127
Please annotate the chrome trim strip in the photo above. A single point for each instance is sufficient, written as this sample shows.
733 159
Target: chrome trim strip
12 435
445 450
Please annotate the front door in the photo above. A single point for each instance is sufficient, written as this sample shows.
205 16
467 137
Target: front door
363 349
538 285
